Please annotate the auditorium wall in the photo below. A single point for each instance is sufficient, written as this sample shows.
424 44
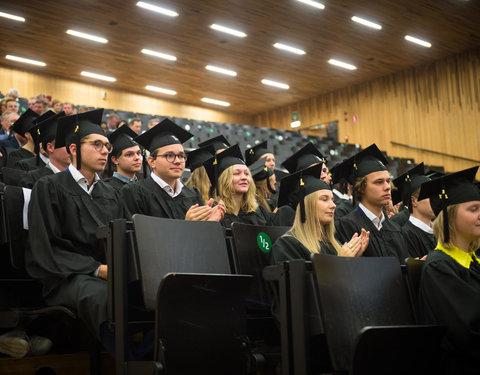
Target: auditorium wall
31 84
435 107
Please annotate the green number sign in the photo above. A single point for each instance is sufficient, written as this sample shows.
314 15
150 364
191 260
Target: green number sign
264 242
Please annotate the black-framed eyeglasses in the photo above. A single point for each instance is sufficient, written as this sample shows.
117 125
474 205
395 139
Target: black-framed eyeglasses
171 157
98 145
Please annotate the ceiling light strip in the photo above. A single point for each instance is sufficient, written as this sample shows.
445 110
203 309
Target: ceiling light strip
288 48
94 38
24 60
342 64
215 101
159 54
312 3
157 9
420 42
217 69
275 84
12 17
228 30
161 90
367 23
98 76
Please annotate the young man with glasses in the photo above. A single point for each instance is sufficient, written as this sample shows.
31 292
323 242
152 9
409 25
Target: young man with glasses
66 209
162 194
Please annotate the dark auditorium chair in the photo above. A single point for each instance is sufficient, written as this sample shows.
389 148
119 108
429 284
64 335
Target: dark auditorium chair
413 269
185 278
368 319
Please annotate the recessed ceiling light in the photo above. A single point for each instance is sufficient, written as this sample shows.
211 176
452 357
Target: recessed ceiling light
228 30
289 48
159 54
98 76
161 90
365 22
24 60
215 101
221 70
157 9
275 84
12 17
420 42
87 36
312 3
342 64
295 124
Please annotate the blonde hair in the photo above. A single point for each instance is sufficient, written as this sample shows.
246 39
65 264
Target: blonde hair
226 193
199 179
311 233
437 227
260 194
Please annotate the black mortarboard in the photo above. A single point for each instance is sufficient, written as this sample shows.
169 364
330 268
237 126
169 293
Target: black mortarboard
71 129
121 139
220 162
163 134
434 174
450 189
45 130
254 153
407 184
367 161
25 122
304 158
261 172
296 186
197 157
218 143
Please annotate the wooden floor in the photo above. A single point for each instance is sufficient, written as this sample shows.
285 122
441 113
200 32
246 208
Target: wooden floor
56 364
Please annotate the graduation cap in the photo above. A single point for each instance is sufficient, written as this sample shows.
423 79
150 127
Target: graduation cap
45 130
71 129
261 172
407 184
450 189
121 139
25 122
220 162
218 143
295 187
196 158
367 161
163 134
304 158
254 153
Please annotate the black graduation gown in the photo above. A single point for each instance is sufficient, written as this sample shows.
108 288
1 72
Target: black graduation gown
288 248
17 155
419 242
29 164
284 217
450 295
115 183
387 241
344 207
401 218
64 252
148 198
31 177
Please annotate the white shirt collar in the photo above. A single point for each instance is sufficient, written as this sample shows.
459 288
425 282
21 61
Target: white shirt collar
44 158
168 189
81 180
338 194
420 224
52 167
372 217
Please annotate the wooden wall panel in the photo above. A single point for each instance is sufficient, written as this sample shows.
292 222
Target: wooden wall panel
436 107
31 84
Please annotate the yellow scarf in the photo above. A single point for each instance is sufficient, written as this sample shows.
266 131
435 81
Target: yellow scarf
461 257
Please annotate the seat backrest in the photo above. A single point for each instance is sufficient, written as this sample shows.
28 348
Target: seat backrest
169 246
200 320
17 236
414 274
358 292
252 253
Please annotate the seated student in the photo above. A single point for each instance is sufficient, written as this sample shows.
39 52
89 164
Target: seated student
126 156
41 158
313 230
260 151
198 176
264 184
233 183
219 144
58 158
307 156
162 194
21 128
417 231
372 187
450 284
65 211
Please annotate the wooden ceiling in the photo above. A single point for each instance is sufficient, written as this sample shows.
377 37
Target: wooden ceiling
451 26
